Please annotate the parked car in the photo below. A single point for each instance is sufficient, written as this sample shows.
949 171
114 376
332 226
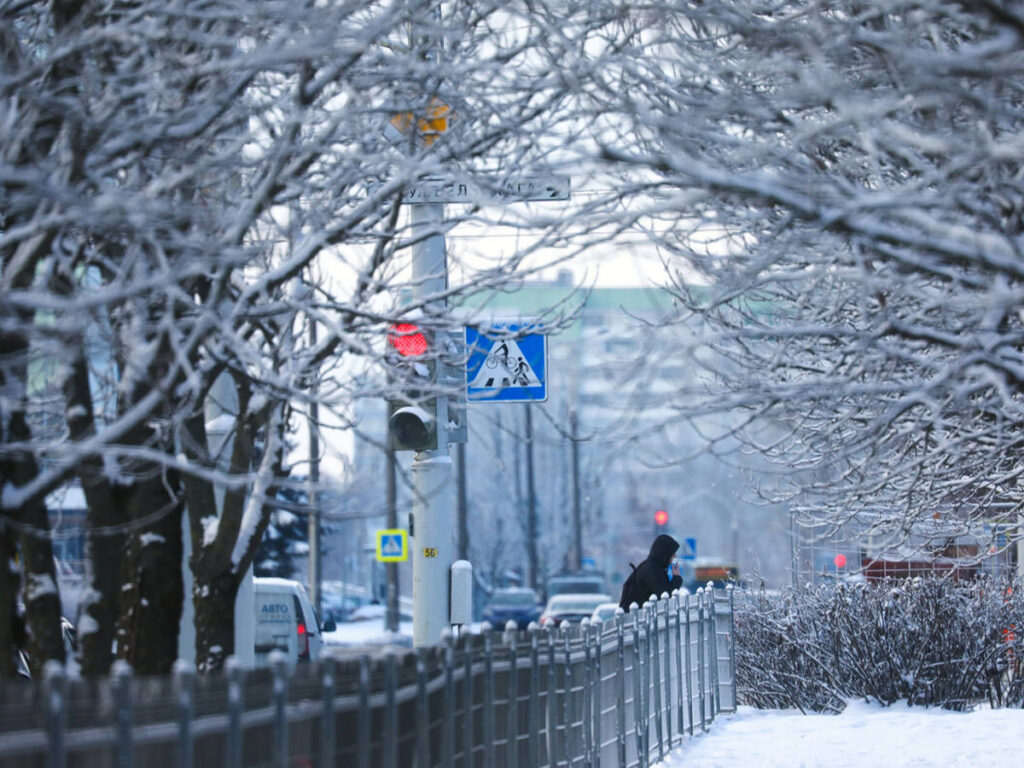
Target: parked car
576 583
571 607
603 612
518 604
285 621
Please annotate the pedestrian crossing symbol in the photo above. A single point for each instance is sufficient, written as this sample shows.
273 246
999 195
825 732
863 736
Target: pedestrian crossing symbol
392 545
505 365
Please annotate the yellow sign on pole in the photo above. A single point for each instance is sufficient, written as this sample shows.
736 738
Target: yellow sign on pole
429 126
392 545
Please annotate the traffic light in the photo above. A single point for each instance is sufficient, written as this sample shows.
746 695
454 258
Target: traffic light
660 517
412 414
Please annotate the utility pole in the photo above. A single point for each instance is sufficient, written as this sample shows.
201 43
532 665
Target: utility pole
315 563
531 504
430 527
577 529
391 615
461 504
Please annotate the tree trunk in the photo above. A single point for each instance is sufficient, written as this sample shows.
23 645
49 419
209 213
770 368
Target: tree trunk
38 575
152 588
214 601
8 604
103 548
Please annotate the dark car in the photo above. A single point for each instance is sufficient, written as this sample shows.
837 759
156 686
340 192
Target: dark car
518 604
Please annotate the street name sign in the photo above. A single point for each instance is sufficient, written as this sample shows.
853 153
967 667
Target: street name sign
504 366
510 190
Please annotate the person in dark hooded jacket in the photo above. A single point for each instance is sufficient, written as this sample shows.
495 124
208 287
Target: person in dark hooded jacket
651 576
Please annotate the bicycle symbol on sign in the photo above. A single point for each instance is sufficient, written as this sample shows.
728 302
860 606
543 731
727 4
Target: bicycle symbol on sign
517 369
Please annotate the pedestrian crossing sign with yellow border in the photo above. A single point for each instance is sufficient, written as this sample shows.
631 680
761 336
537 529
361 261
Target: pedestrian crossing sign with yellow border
392 545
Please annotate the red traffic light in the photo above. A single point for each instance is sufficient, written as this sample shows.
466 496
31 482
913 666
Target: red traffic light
661 517
839 560
407 339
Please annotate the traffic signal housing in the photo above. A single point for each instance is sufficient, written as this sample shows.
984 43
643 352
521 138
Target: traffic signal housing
412 411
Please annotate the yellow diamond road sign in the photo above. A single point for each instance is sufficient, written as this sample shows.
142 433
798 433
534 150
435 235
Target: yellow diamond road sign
392 545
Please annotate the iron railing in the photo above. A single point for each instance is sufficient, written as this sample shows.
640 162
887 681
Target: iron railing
621 694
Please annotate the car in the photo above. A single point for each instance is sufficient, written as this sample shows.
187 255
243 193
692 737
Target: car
571 607
286 621
576 583
518 604
603 612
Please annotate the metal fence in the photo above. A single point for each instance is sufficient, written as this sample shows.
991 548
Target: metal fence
622 693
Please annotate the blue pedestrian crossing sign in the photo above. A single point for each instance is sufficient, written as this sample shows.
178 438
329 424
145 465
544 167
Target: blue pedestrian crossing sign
392 545
505 366
689 548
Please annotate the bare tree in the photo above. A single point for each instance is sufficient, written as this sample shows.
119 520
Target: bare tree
843 180
184 190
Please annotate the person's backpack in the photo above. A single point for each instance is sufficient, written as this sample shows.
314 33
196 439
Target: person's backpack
629 592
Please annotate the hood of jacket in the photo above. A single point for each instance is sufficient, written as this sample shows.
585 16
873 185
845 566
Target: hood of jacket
663 549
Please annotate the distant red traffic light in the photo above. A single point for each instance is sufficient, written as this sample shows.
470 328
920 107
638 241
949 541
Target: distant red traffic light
661 517
839 560
407 339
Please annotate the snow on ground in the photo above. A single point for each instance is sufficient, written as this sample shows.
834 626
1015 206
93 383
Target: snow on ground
863 736
368 632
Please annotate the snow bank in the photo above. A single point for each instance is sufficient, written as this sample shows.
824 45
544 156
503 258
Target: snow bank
863 736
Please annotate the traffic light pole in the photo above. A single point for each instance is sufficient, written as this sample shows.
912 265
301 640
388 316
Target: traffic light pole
431 525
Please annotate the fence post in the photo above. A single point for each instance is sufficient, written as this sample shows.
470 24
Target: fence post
668 603
553 738
121 683
681 678
568 709
656 673
732 645
701 653
468 740
233 670
716 694
689 668
534 713
638 692
184 686
390 742
279 742
513 695
55 698
363 737
597 697
422 757
620 686
327 713
488 699
586 709
448 708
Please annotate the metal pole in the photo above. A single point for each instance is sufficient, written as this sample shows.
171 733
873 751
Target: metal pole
236 703
391 615
121 682
461 505
54 696
531 503
315 563
431 470
577 529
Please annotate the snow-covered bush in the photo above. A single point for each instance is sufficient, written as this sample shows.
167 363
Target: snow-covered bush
926 641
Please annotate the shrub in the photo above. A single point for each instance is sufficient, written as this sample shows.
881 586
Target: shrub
928 641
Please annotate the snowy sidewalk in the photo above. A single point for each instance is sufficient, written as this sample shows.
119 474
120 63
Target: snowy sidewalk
864 736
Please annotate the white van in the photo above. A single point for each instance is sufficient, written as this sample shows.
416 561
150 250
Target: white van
285 621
